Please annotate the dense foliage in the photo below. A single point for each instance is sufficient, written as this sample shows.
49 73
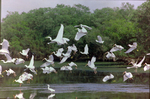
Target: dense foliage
122 26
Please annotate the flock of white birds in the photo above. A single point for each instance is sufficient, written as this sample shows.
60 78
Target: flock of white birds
64 56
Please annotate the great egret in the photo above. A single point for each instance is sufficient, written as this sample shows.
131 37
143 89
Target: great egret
91 64
59 39
136 64
116 48
86 49
5 45
31 66
127 75
9 59
111 76
50 89
10 71
99 39
25 52
111 55
132 47
19 61
146 67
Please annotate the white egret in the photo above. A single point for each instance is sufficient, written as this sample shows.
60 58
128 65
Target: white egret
99 39
116 48
51 96
146 67
48 61
111 55
26 76
48 70
132 47
1 70
66 68
111 76
25 52
92 65
72 64
19 81
86 49
59 52
59 39
19 61
85 26
127 75
10 71
31 66
80 33
136 64
9 59
5 45
50 89
74 48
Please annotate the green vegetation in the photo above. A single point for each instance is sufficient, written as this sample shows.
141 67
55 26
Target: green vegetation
122 26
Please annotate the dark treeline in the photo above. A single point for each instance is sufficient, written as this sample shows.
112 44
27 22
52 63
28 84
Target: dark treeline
122 26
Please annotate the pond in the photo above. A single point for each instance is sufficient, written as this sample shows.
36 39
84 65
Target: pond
80 84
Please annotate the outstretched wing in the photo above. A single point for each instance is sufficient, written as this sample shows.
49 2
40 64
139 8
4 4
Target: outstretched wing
45 64
64 59
130 49
51 58
79 35
93 59
60 32
32 61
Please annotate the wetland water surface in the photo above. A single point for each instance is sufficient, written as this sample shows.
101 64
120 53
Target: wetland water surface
79 90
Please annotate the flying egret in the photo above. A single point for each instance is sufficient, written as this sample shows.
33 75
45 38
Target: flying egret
91 64
51 96
31 66
146 67
59 52
80 33
136 64
116 48
127 75
5 45
99 39
74 48
66 68
19 61
26 76
10 71
111 55
86 49
59 39
85 26
9 59
132 47
48 70
1 70
49 61
19 81
50 89
25 52
72 64
111 76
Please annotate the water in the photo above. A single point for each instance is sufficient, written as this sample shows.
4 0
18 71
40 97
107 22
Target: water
80 90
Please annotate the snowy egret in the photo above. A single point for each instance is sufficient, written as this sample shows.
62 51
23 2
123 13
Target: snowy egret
9 59
86 49
116 48
50 89
99 39
59 39
136 64
132 47
111 76
127 75
5 45
10 71
25 52
31 66
91 64
111 55
146 67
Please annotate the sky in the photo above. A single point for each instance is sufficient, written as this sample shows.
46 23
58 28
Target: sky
27 5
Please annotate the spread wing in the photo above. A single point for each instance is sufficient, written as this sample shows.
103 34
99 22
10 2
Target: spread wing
79 35
60 32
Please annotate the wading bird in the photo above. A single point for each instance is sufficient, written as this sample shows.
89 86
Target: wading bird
132 47
127 75
50 89
108 77
99 39
5 45
86 49
25 52
59 39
